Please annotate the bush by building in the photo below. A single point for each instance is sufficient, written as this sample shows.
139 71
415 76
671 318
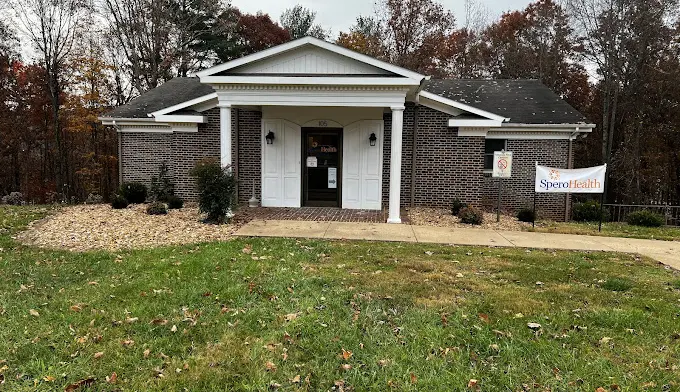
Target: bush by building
645 218
216 189
133 192
471 215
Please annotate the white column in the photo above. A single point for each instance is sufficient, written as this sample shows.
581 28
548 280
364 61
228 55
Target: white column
395 164
225 134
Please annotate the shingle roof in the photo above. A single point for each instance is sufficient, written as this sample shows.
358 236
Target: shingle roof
170 93
523 101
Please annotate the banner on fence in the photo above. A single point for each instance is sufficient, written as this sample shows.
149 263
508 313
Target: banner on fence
586 180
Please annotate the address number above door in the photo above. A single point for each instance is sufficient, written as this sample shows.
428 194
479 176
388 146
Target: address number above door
322 124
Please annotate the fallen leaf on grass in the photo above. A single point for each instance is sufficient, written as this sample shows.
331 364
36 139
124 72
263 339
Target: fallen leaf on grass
78 384
474 384
112 379
98 355
414 379
146 353
484 317
76 308
271 367
173 329
128 342
159 321
33 313
345 366
346 354
291 316
131 320
49 378
295 380
600 389
605 340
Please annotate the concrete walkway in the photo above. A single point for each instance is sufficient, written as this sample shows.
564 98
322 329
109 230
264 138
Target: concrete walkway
667 252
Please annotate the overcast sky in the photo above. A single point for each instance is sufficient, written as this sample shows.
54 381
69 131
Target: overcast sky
338 15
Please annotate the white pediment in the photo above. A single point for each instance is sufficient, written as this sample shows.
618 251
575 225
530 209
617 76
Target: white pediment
310 60
306 57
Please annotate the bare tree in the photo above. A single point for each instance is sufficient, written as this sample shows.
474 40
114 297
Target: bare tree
52 27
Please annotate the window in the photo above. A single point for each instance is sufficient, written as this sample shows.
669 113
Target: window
490 147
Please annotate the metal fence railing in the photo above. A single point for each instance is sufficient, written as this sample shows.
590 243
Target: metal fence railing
619 212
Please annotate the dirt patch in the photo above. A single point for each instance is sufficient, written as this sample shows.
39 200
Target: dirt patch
91 227
442 218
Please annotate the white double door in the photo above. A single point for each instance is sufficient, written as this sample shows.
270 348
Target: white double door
361 165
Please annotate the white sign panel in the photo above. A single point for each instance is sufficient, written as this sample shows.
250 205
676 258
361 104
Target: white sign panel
587 180
502 164
332 177
311 161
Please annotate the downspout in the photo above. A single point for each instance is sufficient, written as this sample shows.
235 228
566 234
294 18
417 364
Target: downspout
120 151
570 165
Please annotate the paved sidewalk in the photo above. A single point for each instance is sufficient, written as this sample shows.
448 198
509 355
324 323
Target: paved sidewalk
667 252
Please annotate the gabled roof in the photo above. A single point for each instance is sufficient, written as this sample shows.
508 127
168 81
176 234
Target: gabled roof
171 93
521 101
313 42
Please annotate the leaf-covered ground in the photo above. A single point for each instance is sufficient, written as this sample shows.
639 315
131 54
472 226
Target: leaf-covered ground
609 229
280 314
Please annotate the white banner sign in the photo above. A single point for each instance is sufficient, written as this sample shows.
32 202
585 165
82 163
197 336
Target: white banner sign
502 164
587 180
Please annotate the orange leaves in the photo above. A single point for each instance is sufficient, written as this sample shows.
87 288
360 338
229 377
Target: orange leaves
346 354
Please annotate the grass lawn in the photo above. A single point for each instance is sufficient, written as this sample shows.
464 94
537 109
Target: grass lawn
613 229
281 314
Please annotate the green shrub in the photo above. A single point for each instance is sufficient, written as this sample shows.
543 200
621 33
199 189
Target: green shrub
588 211
471 215
617 284
526 215
645 218
175 202
161 187
157 208
134 192
216 189
119 202
456 206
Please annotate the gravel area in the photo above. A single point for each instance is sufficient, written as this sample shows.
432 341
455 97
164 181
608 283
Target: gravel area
91 227
443 218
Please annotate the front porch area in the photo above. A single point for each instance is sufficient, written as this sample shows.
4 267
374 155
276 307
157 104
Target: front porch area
315 214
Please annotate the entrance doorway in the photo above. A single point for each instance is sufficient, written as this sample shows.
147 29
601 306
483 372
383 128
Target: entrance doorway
321 165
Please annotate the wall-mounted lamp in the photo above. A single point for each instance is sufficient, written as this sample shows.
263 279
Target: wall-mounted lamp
372 139
270 137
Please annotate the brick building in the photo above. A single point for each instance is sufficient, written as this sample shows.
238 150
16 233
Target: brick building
308 123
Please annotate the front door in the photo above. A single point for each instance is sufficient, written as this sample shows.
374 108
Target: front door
322 161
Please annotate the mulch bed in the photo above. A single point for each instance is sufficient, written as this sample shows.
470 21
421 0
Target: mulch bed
443 218
99 227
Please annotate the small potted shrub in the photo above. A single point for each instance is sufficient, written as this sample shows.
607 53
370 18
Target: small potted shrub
471 215
216 189
118 202
133 192
645 218
456 206
157 208
175 202
527 215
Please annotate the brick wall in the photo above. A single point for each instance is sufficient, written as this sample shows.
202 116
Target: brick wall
143 153
518 191
447 166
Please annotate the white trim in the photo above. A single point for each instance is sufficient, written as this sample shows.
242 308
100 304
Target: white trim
577 127
473 131
314 42
473 122
458 105
321 123
181 119
312 96
184 105
140 128
184 128
528 135
310 80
